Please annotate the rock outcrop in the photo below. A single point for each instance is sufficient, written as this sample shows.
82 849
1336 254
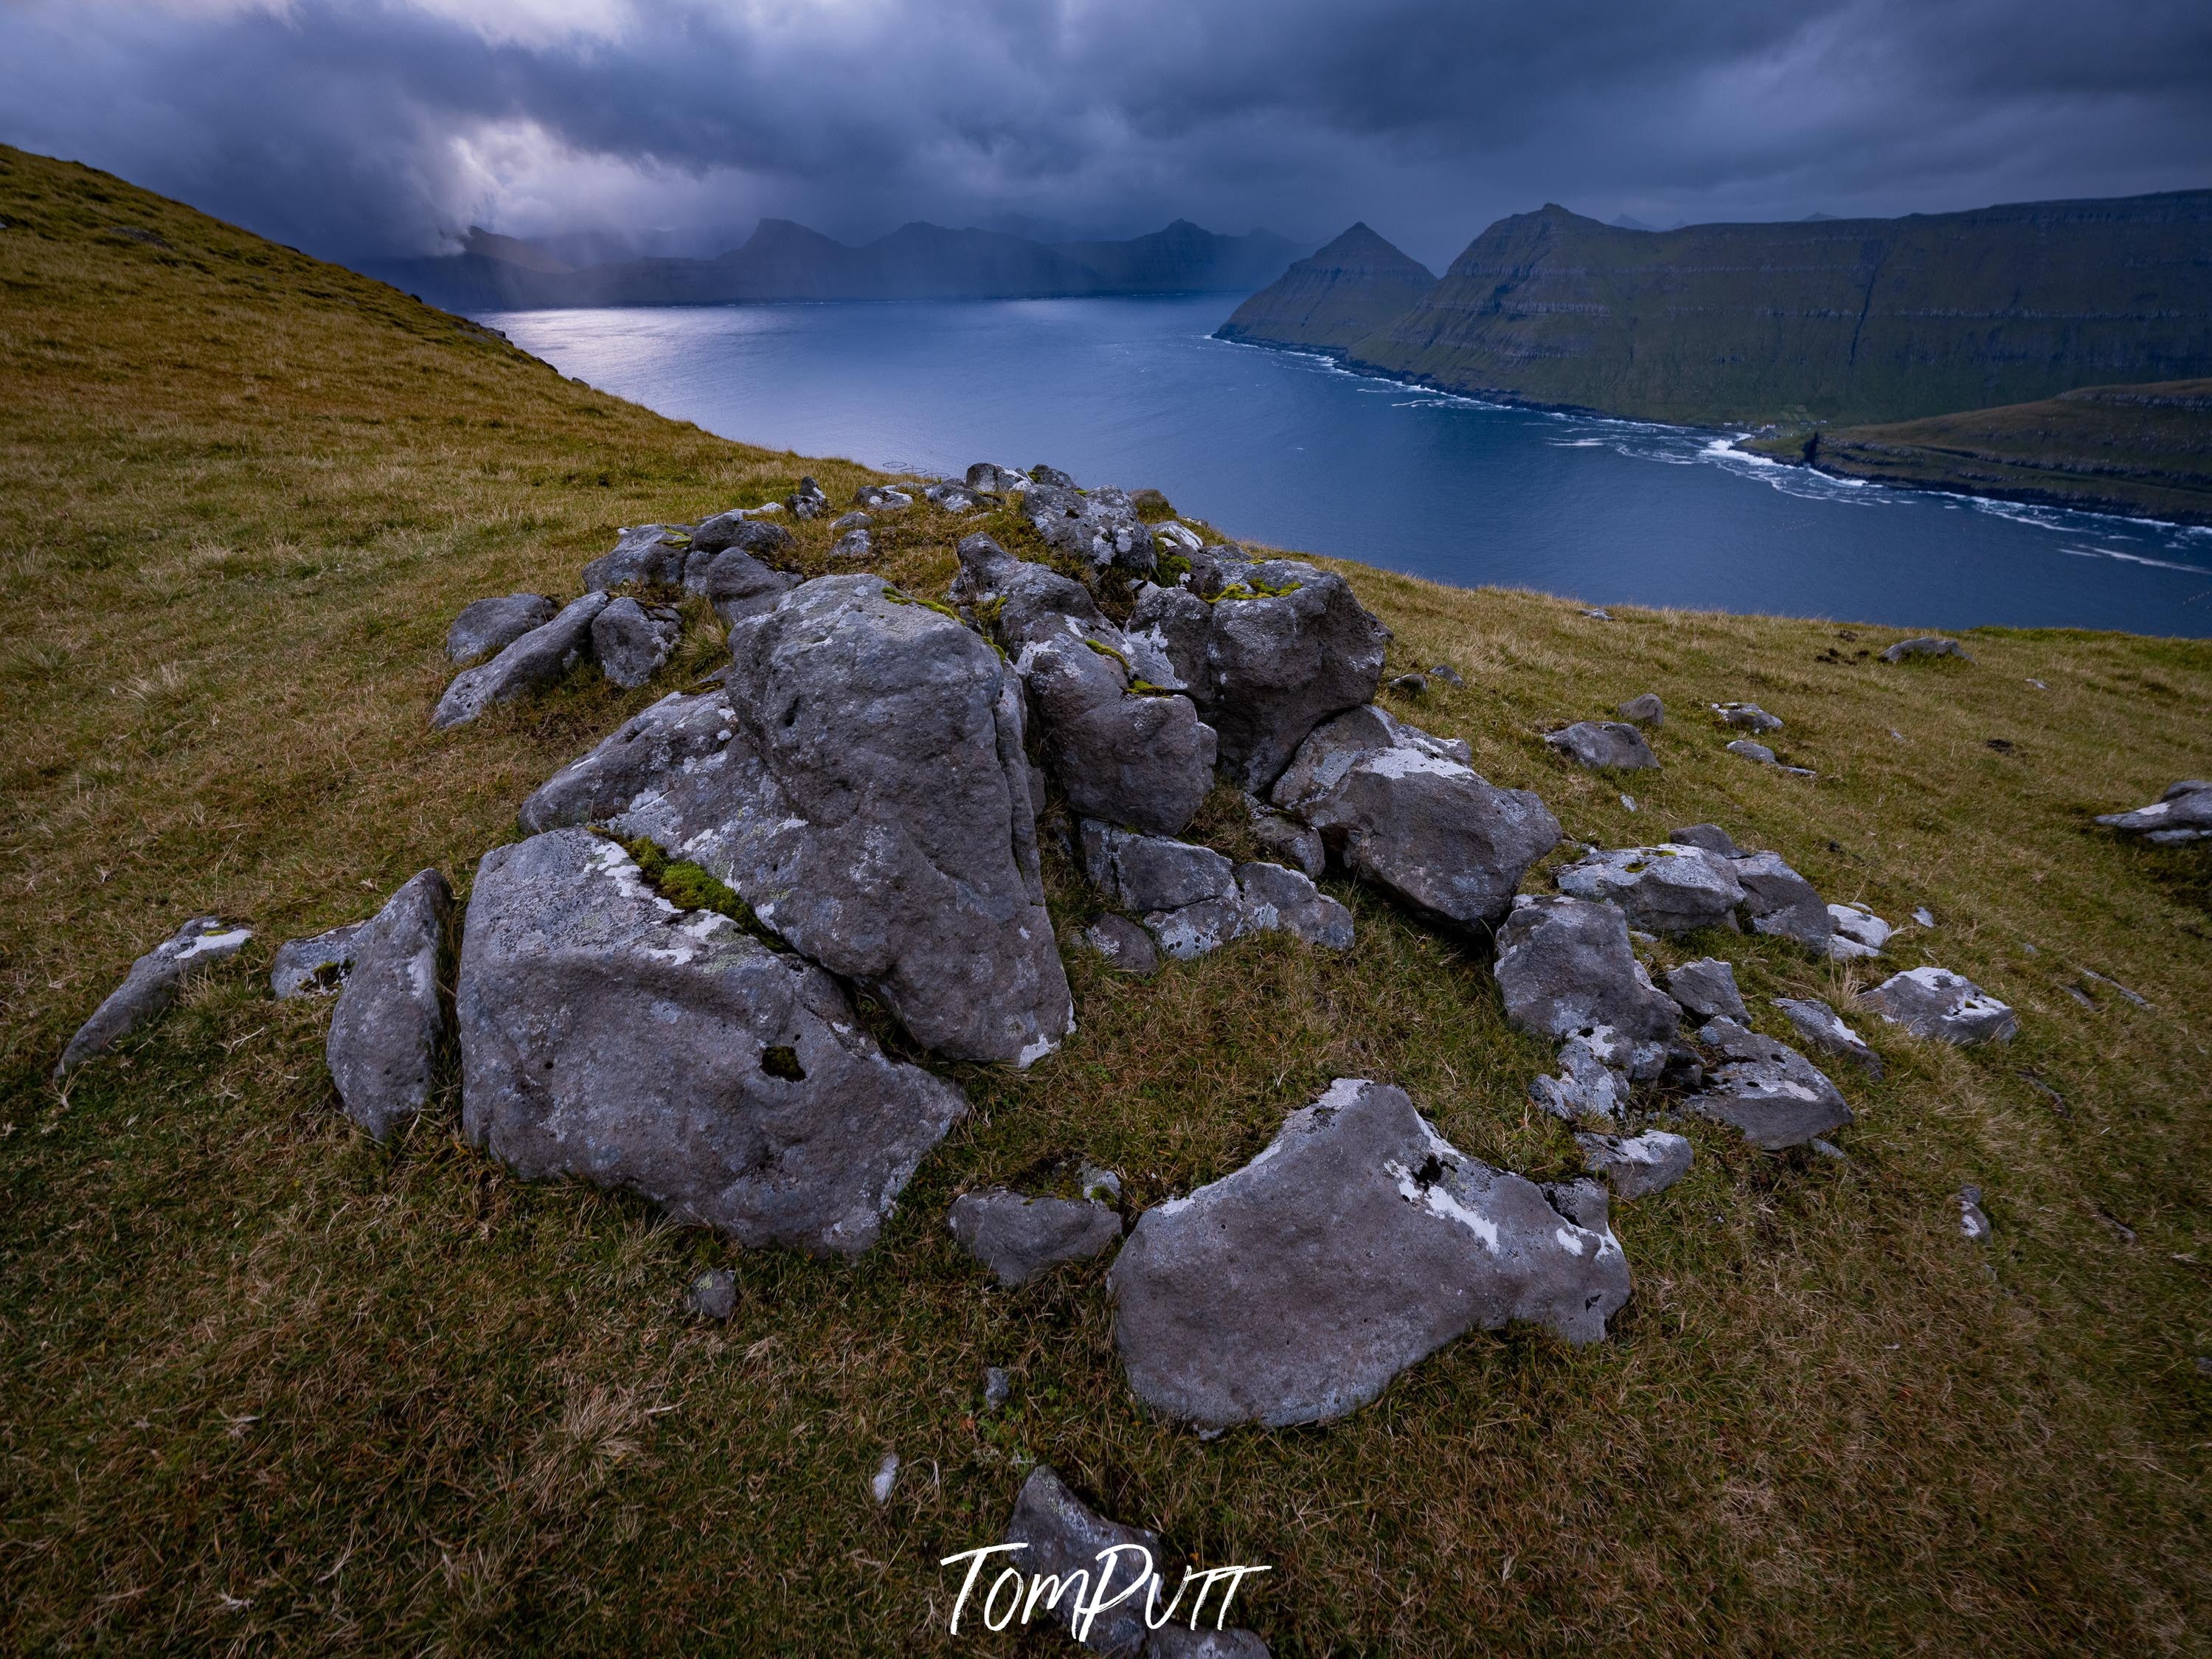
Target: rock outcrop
1098 527
1018 1237
531 664
1406 812
608 1036
390 1016
151 987
1358 1244
1194 900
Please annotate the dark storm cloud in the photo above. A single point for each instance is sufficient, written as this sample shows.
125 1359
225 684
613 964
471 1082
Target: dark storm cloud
355 126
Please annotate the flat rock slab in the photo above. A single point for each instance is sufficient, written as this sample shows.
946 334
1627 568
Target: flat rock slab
1605 746
1358 1244
532 663
869 797
1636 1166
151 986
607 1036
1824 1028
1766 1089
390 1017
1664 889
1934 1002
1706 989
1405 812
489 625
1566 967
316 966
1018 1237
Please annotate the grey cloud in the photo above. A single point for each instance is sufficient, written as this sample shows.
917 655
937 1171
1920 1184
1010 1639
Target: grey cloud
360 126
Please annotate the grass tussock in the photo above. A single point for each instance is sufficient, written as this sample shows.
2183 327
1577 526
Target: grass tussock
266 1386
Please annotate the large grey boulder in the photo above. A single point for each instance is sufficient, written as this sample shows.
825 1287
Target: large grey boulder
316 966
870 803
632 641
1934 1002
651 554
737 583
1706 989
1405 812
606 1035
488 625
1358 1244
384 1035
1123 747
151 986
1566 967
1766 1089
1636 1166
532 663
1289 646
2184 813
1100 527
1777 900
1604 746
1824 1028
1018 1237
1666 889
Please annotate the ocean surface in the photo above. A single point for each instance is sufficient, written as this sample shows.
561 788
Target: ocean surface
1292 451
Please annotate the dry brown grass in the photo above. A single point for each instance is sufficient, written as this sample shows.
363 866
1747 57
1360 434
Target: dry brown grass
266 1386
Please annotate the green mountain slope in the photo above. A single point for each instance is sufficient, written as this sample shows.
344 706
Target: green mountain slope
2145 450
1359 284
1841 320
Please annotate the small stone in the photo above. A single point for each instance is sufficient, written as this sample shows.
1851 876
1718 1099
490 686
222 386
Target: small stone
1099 1186
1822 1027
1295 843
809 501
886 1477
1628 803
1062 1539
998 1388
1924 916
1928 645
1018 1237
1605 745
1753 751
1767 1090
738 527
1829 1150
1646 710
1153 872
1707 989
315 967
1279 900
1710 836
713 1295
1598 614
2183 813
151 986
882 498
1779 901
852 545
1636 1166
1447 674
489 625
1565 968
1974 1223
1934 1002
1746 717
1126 946
1409 685
1858 931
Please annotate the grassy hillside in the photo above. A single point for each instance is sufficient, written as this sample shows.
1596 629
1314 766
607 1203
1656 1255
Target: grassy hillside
1847 320
266 1386
2145 450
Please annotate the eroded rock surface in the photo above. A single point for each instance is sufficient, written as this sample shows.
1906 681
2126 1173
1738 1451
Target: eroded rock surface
608 1036
1358 1244
653 555
1125 946
737 584
1767 1090
1824 1028
1636 1166
1018 1237
385 1032
2183 813
1934 1002
1566 967
1288 647
1666 888
488 625
532 663
1100 527
316 966
1706 989
1857 931
151 986
1604 746
634 642
1777 900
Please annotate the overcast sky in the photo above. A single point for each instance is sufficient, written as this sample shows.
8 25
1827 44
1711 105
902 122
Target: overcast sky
354 127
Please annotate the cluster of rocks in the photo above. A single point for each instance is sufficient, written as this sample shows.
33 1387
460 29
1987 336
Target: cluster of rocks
1619 745
2183 813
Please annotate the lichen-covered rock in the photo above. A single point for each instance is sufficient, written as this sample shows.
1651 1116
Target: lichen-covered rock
1767 1090
995 480
1289 646
651 554
713 1295
1934 1002
2184 813
1565 966
882 498
1746 717
632 641
531 664
1277 900
1604 746
1824 1028
1857 931
681 734
1297 844
1151 872
737 584
1125 946
809 501
608 1036
1100 527
1636 1166
1777 900
1666 889
317 966
1194 900
488 625
1706 988
151 986
1405 812
1018 1237
385 1032
856 543
1587 1088
1358 1244
741 527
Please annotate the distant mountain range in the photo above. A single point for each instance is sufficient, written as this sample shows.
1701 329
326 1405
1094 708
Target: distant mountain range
782 260
1819 320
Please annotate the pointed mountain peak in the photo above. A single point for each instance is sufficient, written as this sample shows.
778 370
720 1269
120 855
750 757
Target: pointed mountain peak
1360 249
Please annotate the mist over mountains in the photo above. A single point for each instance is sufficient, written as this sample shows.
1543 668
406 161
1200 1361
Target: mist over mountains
785 260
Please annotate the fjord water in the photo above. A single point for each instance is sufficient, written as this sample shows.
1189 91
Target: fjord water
1291 450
